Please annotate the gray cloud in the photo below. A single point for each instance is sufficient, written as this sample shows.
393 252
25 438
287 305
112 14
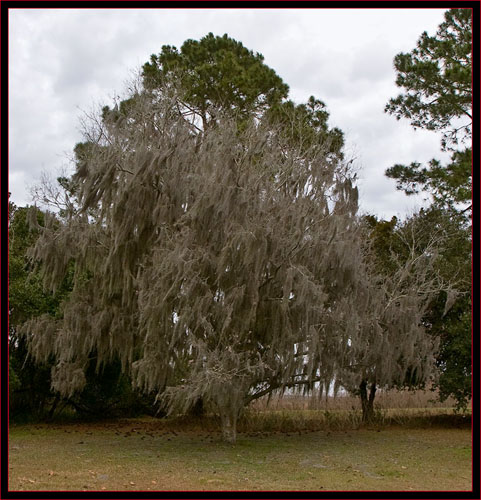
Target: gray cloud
64 60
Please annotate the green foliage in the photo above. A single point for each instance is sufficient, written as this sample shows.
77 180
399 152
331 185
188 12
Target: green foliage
448 317
29 384
382 239
218 75
448 184
27 297
452 325
13 380
436 77
306 125
106 394
454 358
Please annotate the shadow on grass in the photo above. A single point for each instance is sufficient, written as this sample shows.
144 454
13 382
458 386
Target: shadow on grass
279 421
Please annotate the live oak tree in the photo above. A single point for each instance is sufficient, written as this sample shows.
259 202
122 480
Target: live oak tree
210 259
436 78
217 76
225 268
216 248
218 274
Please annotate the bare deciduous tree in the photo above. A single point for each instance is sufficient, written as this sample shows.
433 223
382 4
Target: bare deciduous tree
385 343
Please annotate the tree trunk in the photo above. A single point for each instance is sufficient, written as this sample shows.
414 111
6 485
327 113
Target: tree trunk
198 410
229 425
54 407
367 402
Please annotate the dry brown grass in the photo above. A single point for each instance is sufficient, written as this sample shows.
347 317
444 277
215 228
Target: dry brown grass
384 400
140 455
294 443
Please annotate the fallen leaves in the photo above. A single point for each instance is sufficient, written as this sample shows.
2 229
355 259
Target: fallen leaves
26 479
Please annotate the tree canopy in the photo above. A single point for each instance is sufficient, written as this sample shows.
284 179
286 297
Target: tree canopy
436 78
220 274
217 75
221 258
106 394
447 314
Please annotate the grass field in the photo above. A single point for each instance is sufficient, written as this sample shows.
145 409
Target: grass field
158 455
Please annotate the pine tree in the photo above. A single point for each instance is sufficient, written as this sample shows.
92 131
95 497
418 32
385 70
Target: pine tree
436 78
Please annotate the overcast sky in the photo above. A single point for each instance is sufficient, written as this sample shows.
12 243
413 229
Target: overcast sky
63 61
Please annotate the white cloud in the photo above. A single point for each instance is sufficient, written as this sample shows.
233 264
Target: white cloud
63 60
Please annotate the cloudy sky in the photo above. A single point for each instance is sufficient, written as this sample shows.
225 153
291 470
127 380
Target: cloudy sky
64 61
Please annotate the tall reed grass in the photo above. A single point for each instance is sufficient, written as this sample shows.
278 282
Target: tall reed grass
384 400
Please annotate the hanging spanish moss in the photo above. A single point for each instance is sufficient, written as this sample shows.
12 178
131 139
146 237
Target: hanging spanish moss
223 264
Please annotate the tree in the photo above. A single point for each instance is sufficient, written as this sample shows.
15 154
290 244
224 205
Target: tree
229 279
454 359
386 343
436 76
447 316
106 394
306 125
218 276
452 326
217 75
30 391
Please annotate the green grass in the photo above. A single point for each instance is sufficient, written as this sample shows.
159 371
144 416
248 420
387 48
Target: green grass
149 454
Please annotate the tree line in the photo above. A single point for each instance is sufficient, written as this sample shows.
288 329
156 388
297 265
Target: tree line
208 249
